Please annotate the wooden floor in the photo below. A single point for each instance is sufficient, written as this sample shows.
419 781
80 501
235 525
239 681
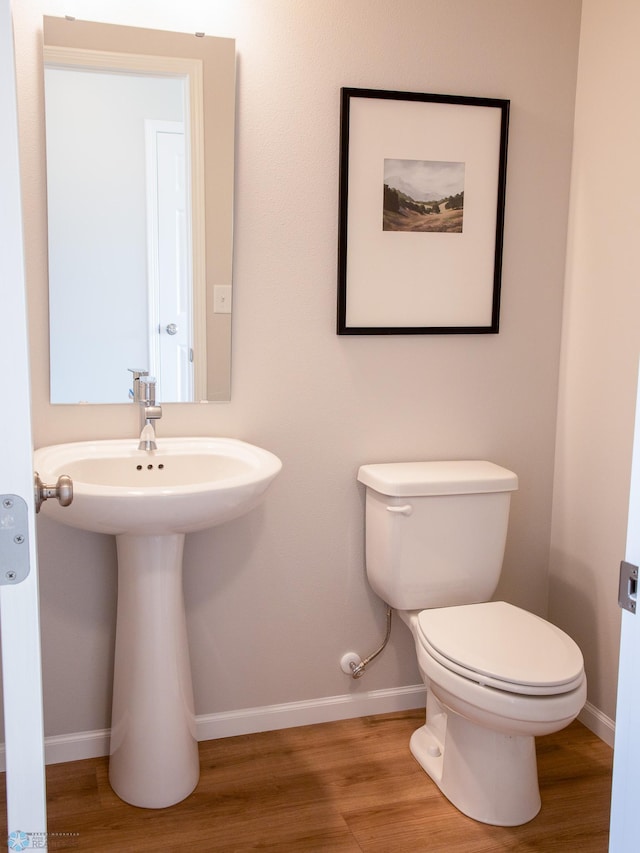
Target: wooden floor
341 787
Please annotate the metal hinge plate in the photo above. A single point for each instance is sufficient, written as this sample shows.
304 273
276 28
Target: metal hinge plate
14 540
628 588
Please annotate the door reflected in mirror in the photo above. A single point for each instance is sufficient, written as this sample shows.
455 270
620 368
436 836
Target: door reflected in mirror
139 210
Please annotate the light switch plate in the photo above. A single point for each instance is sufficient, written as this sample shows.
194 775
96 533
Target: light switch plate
222 299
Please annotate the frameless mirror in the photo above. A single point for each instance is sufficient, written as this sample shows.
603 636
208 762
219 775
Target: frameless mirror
140 145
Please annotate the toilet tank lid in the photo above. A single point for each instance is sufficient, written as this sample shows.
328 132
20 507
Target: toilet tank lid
412 479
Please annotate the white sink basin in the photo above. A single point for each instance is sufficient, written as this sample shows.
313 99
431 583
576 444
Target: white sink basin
149 500
187 484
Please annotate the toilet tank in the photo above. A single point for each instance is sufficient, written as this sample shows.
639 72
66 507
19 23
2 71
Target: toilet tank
435 531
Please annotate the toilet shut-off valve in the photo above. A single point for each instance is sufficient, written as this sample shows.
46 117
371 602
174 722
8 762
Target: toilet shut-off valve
353 665
350 663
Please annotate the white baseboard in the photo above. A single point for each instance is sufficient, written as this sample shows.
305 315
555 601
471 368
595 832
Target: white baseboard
597 722
74 747
326 710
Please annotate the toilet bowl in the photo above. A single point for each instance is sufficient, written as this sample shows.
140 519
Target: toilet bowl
497 677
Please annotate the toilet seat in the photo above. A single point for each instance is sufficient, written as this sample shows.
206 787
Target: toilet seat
501 646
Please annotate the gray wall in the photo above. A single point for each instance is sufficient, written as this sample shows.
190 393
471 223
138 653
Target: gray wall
601 346
275 598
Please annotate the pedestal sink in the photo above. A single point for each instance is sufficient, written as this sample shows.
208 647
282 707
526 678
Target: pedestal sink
149 500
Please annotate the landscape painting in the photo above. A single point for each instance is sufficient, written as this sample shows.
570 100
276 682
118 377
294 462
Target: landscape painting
423 195
421 217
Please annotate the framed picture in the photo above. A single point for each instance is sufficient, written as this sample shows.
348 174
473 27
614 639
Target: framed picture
422 187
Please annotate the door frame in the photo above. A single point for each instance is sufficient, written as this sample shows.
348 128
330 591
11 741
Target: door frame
19 604
623 835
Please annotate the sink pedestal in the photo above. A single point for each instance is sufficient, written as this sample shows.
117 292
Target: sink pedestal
154 752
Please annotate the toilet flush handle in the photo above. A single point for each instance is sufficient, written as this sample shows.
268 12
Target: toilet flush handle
405 509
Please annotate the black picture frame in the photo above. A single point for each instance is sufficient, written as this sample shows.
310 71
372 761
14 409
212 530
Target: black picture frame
431 262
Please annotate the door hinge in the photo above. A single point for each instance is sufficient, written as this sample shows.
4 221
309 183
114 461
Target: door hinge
628 588
14 540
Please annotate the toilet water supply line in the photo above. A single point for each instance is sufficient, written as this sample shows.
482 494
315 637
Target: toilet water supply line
351 663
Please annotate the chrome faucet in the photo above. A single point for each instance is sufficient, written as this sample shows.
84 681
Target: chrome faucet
144 394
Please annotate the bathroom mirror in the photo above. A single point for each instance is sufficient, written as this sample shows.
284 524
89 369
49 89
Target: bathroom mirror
140 158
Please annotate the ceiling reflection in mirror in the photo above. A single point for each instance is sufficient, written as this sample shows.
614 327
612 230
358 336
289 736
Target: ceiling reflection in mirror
140 143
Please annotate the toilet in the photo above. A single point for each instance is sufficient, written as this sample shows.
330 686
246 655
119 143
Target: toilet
496 676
